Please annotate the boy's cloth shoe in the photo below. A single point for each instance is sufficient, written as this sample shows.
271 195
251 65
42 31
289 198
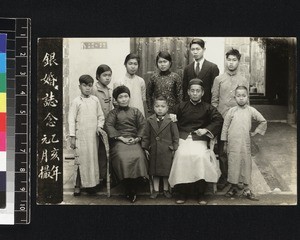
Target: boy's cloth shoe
77 192
154 194
247 193
231 192
167 194
222 185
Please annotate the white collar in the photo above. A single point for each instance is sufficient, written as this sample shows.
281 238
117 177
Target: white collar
162 118
200 63
195 103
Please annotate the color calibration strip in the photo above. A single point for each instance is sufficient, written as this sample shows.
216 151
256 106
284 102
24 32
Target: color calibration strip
17 210
7 26
3 120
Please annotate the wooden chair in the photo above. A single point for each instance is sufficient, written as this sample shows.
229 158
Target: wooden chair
104 139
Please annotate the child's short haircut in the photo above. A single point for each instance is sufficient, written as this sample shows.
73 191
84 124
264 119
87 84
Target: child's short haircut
101 69
132 56
241 88
160 98
198 41
86 79
165 55
234 52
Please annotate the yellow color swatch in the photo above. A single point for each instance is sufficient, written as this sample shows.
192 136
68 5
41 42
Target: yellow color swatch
2 102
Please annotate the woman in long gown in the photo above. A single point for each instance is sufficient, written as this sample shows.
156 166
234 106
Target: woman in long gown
125 126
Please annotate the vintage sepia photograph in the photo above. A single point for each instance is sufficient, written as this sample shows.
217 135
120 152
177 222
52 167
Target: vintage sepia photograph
167 121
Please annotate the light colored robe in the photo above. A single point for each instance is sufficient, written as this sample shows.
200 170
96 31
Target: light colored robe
192 162
104 94
137 89
223 90
236 130
85 118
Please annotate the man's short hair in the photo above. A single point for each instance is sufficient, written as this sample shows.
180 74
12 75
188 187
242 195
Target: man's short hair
234 52
198 41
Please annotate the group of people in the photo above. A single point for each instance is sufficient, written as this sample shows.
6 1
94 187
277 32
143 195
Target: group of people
175 144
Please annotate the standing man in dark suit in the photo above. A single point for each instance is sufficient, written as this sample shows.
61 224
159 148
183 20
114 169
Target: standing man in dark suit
200 68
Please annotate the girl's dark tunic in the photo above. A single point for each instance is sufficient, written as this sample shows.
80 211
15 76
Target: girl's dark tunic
167 84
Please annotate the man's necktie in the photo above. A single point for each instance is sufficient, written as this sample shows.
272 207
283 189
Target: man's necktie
197 69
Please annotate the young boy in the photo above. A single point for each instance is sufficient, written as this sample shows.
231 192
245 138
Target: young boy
85 121
237 136
223 99
161 139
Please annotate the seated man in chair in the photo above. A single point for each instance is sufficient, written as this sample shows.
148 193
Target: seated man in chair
198 123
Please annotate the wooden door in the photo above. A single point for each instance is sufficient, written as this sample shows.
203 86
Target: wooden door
277 70
148 48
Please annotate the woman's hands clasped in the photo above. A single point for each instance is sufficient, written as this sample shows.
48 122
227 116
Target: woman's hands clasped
129 140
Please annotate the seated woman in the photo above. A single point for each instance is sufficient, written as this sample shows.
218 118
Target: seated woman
124 126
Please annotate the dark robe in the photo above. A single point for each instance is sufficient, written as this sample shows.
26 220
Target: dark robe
192 117
128 161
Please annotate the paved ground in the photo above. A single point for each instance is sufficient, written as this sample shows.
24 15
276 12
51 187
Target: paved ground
264 199
274 176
